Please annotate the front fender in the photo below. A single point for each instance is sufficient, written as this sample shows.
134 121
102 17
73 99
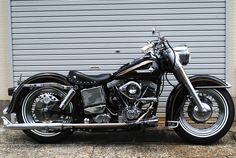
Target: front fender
200 81
20 92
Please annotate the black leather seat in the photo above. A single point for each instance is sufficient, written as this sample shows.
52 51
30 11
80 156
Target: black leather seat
77 77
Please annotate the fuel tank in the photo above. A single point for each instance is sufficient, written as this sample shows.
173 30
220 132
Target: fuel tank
141 68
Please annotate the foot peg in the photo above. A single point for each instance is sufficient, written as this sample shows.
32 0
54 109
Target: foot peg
172 124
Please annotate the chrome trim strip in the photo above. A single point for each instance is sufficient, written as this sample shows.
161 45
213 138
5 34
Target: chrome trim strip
148 99
8 125
145 71
49 84
135 67
212 87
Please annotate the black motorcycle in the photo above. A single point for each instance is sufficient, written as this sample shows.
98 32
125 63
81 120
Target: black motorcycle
50 106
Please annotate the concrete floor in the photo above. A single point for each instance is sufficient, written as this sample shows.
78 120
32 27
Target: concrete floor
153 143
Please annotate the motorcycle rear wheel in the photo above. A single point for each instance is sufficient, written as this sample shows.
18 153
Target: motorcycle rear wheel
33 111
205 128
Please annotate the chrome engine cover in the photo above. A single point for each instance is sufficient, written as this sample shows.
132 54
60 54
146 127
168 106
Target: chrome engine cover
102 118
131 113
131 90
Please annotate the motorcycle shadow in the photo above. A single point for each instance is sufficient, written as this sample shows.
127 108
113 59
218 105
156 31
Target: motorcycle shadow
162 136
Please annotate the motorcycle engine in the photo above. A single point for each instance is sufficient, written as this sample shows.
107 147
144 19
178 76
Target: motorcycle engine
130 92
125 106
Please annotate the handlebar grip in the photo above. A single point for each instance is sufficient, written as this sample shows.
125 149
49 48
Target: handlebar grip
148 46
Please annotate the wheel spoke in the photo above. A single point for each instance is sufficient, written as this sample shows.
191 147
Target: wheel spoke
189 119
36 107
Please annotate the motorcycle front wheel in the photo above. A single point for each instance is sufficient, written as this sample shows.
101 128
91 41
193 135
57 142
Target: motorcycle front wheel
37 107
209 126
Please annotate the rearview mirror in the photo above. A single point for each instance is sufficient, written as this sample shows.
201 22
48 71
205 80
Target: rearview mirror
154 31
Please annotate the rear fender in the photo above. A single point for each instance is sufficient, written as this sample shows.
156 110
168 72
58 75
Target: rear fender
20 93
198 81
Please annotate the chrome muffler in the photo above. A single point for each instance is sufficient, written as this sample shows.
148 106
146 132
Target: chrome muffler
23 126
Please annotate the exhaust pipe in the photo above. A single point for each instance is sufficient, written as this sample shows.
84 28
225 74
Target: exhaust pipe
23 126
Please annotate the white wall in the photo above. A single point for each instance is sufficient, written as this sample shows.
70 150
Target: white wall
4 52
232 46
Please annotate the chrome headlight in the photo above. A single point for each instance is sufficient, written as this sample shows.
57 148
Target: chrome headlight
183 54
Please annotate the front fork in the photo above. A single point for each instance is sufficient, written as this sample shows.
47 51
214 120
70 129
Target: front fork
182 77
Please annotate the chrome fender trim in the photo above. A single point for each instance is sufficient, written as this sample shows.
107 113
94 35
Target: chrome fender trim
212 87
49 84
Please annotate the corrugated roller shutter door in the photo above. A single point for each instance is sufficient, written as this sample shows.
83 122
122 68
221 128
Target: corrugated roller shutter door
61 35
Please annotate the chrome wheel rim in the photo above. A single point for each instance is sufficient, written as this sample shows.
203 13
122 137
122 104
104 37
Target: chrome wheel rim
214 124
35 104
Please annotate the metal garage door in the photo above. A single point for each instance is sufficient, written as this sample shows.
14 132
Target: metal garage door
98 36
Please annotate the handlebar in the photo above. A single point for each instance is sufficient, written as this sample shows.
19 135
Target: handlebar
153 43
148 46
